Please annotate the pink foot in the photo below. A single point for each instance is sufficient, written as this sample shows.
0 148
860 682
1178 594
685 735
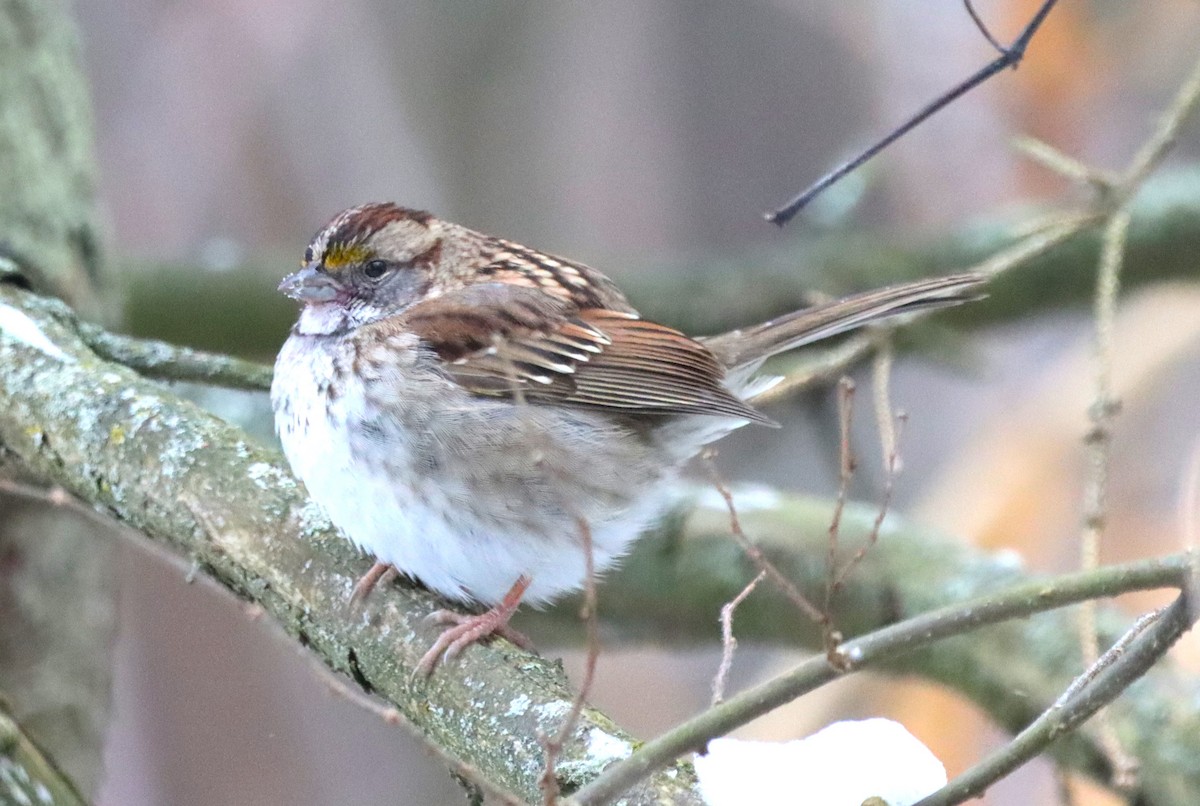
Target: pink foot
379 573
468 629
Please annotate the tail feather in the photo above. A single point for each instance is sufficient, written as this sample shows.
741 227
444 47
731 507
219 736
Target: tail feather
742 348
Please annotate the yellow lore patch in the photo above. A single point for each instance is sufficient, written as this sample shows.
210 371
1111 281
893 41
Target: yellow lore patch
338 256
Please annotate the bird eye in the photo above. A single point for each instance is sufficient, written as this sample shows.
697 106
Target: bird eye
375 268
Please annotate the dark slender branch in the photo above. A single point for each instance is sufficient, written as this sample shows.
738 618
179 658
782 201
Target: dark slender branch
983 29
1009 57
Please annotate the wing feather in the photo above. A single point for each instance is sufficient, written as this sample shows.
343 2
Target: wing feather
498 339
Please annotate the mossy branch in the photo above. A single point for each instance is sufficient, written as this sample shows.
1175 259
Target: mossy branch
241 312
26 774
131 449
161 465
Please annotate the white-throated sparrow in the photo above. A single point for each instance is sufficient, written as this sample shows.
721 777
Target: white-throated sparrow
464 406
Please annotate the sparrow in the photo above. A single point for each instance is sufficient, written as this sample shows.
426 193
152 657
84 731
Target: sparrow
479 415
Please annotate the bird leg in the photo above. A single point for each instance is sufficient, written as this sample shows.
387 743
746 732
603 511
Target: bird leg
380 572
469 629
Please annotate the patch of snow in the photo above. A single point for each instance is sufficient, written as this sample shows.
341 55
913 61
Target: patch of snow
604 748
842 765
19 327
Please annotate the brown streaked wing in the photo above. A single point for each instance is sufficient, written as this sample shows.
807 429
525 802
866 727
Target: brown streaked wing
503 340
650 368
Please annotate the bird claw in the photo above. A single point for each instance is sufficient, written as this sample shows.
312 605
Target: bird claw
468 629
379 574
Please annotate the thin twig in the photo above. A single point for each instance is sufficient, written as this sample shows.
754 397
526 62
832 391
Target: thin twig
1134 661
819 366
1064 165
890 429
1148 157
830 637
1112 205
158 359
588 612
983 29
1017 602
810 610
1108 658
728 642
1102 412
1009 57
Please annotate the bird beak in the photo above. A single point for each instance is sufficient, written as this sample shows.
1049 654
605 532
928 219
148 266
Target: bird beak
310 284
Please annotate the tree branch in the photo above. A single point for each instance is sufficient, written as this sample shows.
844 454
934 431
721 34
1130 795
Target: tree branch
57 599
186 479
242 312
26 774
669 589
191 481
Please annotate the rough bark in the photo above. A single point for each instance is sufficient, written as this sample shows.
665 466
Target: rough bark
26 774
47 215
133 450
670 590
185 478
56 604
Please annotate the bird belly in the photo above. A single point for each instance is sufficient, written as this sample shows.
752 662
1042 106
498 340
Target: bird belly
467 495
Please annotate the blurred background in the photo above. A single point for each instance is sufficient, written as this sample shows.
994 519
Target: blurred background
640 138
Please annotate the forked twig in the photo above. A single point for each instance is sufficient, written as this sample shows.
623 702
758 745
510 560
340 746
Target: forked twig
1009 57
891 428
983 29
728 641
765 566
1130 658
1112 205
924 629
830 637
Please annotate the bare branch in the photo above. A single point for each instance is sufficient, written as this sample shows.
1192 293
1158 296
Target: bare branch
728 642
1015 602
1099 440
1009 57
1130 664
157 359
890 428
799 600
